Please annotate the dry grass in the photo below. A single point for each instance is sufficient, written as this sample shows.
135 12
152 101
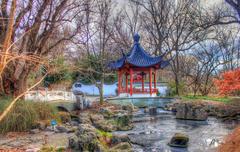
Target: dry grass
25 114
232 142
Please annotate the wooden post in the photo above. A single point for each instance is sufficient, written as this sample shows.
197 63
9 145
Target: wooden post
131 82
119 82
126 76
155 79
150 81
143 83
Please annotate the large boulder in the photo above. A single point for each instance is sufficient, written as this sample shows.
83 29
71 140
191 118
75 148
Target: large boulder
85 139
122 147
191 111
84 118
116 139
100 123
124 122
179 140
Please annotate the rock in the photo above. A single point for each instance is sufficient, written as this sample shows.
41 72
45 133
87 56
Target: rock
179 140
107 113
153 110
74 123
129 108
191 111
96 117
105 125
124 122
85 139
116 139
62 129
84 118
34 131
122 147
49 128
102 124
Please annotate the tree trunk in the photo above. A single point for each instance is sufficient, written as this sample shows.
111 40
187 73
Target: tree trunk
177 85
101 91
20 77
20 85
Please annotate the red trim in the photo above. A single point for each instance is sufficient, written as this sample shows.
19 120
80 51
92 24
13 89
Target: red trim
126 77
155 79
131 82
150 80
119 91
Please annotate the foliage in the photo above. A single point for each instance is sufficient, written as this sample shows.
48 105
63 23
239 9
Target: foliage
61 72
172 87
91 70
104 133
51 149
229 83
219 99
25 114
123 121
4 102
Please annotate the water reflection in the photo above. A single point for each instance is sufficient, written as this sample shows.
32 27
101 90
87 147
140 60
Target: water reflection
154 132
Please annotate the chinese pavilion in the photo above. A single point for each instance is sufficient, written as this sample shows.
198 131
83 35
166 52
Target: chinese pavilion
135 67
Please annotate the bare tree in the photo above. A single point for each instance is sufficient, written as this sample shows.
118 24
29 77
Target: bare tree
39 20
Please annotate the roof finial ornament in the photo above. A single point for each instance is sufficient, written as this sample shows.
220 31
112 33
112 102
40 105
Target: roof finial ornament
136 38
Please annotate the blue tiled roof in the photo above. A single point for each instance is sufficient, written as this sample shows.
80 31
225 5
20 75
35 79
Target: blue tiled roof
139 57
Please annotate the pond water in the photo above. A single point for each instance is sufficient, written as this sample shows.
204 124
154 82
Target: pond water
143 102
152 133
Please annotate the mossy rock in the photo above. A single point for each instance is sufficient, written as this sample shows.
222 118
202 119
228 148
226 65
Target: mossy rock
107 113
85 139
179 140
122 147
124 122
105 125
125 128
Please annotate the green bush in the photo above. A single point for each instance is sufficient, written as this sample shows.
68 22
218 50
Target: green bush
172 87
25 114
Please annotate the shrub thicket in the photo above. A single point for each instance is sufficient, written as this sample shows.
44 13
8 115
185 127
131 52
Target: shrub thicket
25 114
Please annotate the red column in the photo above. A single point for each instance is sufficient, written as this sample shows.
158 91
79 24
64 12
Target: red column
119 82
143 83
155 79
126 77
131 82
150 81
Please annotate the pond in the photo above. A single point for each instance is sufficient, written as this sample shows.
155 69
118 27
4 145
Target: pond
159 102
152 133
